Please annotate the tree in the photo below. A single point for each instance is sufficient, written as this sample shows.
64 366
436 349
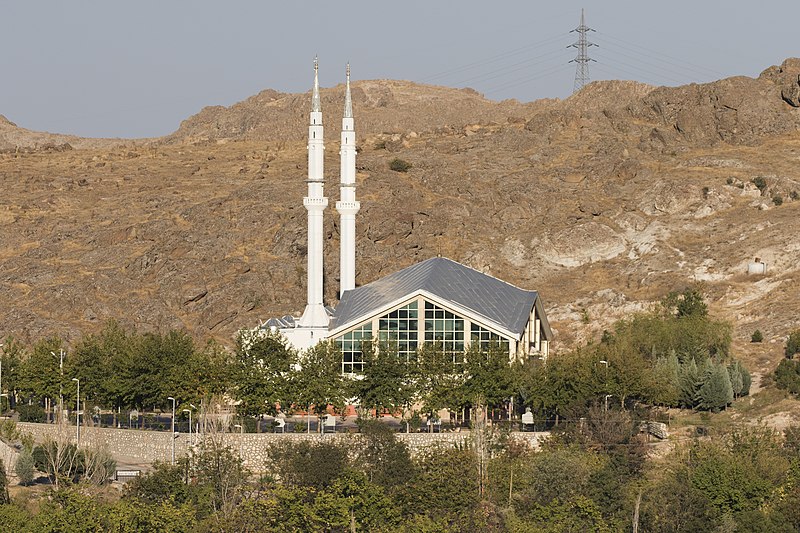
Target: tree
305 464
40 374
666 375
686 304
716 392
787 375
386 381
793 344
690 381
383 459
263 373
25 467
317 379
736 375
489 376
437 379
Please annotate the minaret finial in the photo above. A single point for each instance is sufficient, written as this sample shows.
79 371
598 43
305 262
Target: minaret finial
348 100
315 101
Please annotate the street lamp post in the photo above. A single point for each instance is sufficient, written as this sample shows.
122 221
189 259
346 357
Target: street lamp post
173 428
77 414
190 425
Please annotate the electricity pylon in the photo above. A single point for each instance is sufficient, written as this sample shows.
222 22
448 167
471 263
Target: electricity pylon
583 59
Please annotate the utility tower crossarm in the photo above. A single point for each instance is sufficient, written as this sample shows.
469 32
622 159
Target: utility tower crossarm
583 59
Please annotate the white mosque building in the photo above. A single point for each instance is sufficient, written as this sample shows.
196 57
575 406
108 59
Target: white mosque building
436 301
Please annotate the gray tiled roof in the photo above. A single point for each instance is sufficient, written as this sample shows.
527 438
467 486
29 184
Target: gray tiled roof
498 301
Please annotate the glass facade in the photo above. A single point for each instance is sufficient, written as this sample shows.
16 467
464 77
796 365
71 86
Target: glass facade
486 338
350 346
444 329
399 329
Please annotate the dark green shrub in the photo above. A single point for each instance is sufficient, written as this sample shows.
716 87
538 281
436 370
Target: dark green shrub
777 199
25 467
761 183
399 165
31 413
787 376
794 195
793 343
757 336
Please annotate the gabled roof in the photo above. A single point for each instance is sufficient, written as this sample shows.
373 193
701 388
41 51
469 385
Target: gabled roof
484 295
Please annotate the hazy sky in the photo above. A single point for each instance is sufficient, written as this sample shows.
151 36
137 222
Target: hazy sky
136 69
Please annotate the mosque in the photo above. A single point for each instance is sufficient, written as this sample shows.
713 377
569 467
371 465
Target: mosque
436 301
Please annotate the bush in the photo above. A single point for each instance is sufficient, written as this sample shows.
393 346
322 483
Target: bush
787 376
25 467
31 413
757 336
794 195
399 165
777 199
793 344
761 183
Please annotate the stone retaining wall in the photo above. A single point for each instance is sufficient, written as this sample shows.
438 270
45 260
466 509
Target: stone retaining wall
136 446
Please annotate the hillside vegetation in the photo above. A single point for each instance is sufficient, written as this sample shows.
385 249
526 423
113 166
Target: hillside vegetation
603 202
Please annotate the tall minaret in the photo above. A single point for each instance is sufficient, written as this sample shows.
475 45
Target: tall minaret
315 203
348 206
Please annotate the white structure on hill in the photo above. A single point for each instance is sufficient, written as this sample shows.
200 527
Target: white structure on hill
313 324
437 301
348 206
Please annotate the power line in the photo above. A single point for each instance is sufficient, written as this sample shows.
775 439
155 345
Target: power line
583 59
521 81
521 65
688 65
648 60
493 59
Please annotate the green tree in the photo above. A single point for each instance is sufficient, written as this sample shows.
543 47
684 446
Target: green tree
437 379
305 464
736 375
318 380
666 375
386 380
489 376
690 381
382 458
716 391
25 467
263 373
11 358
793 344
787 375
41 374
688 303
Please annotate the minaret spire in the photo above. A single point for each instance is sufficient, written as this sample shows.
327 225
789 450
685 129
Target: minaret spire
348 206
316 105
348 100
315 318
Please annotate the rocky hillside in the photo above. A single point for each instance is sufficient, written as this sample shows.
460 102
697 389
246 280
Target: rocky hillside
603 202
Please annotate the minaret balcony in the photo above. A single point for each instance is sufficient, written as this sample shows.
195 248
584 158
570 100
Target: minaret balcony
348 208
311 202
